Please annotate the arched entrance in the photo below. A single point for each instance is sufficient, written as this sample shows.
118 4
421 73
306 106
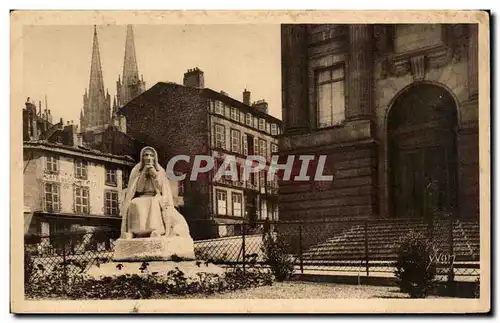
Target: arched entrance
422 154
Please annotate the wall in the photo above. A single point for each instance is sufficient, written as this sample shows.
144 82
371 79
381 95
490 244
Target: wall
35 177
357 148
450 72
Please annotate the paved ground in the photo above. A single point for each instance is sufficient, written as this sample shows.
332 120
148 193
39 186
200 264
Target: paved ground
307 290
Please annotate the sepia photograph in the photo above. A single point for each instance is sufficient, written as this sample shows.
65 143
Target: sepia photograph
229 161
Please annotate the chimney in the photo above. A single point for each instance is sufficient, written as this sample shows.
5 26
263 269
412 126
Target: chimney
71 136
260 105
79 139
194 78
246 97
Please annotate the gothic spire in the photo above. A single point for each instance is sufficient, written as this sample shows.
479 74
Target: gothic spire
130 70
130 86
96 84
96 102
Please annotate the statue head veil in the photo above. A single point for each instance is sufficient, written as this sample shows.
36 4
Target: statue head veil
156 164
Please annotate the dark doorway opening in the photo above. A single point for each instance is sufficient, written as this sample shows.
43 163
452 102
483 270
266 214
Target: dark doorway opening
422 153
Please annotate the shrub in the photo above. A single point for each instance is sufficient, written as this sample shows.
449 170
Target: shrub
414 268
143 286
66 241
276 255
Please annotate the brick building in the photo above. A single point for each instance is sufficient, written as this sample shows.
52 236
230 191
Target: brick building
193 120
395 109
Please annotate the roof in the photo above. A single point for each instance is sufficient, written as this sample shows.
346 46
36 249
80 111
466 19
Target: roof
204 92
87 152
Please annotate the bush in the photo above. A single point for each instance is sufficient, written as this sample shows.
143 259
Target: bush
276 255
66 241
414 268
140 286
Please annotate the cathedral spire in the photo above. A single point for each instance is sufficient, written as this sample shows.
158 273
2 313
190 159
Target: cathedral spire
130 86
130 70
96 83
96 103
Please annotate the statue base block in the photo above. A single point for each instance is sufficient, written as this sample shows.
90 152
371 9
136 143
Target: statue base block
151 249
161 268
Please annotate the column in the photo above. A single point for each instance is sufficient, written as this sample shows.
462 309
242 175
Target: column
473 61
294 78
360 72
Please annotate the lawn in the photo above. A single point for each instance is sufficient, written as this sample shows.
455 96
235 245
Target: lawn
305 290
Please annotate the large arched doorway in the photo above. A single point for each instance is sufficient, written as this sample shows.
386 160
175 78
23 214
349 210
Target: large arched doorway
422 154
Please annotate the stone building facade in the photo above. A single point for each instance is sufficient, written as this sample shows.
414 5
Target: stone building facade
193 120
395 109
70 185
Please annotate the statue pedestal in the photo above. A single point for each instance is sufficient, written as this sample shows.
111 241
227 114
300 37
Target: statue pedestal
150 249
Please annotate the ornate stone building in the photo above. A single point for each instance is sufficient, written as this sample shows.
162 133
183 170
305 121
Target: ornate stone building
96 112
395 109
130 85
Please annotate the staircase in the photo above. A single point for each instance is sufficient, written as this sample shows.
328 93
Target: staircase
383 238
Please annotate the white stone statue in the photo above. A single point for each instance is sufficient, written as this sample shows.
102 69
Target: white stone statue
148 207
151 225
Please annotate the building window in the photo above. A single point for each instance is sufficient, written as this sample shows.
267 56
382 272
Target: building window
249 119
263 209
81 169
219 109
254 179
268 127
274 148
234 114
274 130
81 200
262 179
235 141
244 138
263 148
227 110
275 212
256 146
110 176
221 202
330 97
256 123
220 136
52 165
236 198
125 177
262 124
51 197
111 202
242 117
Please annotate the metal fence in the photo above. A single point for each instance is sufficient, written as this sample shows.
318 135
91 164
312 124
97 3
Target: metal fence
364 247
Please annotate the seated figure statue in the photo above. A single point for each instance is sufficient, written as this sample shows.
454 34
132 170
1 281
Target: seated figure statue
148 209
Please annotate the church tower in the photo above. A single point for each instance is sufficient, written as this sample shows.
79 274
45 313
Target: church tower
130 85
96 112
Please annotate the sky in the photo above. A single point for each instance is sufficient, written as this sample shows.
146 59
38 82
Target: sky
56 60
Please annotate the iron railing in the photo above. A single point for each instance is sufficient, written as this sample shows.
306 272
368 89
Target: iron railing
363 247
